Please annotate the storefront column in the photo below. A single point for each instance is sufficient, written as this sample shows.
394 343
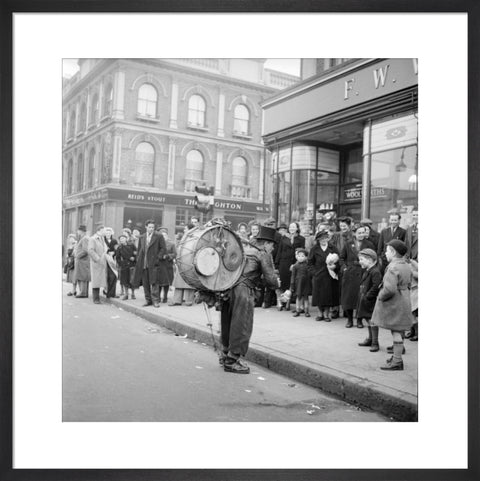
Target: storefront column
218 176
221 115
174 106
172 152
117 154
119 95
367 166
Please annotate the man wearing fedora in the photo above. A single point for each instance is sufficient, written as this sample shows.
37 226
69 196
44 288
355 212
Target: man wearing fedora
237 311
269 295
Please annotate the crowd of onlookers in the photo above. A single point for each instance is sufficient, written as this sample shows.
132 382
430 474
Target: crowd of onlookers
341 269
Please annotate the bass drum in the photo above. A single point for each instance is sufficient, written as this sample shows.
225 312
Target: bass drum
210 258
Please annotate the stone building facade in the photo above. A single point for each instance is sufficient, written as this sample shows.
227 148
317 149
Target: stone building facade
140 134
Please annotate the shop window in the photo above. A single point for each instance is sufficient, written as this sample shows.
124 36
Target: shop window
91 169
144 163
94 110
84 214
394 184
147 101
239 186
80 173
107 108
353 167
196 111
135 217
194 170
241 121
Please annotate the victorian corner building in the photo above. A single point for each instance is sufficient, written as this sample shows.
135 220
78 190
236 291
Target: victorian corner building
140 134
344 140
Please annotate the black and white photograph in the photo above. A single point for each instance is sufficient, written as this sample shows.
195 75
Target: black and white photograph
243 231
219 212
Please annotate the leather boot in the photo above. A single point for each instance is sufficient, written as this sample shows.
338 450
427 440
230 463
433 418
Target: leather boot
368 340
375 346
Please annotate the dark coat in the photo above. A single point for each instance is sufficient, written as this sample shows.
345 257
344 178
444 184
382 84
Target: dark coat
301 283
112 245
324 286
411 240
70 265
385 237
285 257
169 260
155 253
367 296
393 309
125 255
351 272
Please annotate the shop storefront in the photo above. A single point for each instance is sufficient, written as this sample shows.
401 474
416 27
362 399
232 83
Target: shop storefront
117 208
346 143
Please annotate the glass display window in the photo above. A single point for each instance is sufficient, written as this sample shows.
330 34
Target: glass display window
394 184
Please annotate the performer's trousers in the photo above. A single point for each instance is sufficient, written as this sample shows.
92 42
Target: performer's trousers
152 291
237 321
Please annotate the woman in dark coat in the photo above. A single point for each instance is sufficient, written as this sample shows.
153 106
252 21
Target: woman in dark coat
285 257
352 273
125 256
324 280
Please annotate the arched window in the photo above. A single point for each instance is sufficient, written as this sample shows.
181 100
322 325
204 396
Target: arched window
69 180
83 118
71 133
144 163
196 111
147 101
194 165
194 171
94 110
108 105
240 178
80 170
91 169
241 120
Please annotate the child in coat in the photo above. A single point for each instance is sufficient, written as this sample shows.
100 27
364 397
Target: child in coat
369 286
300 283
393 309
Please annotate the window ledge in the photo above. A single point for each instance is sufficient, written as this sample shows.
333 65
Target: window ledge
70 139
197 127
91 126
146 118
106 117
241 135
80 133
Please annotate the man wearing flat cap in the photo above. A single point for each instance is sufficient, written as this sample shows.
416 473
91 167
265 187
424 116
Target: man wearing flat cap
237 311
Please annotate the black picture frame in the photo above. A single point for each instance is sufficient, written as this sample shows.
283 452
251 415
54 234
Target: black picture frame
472 7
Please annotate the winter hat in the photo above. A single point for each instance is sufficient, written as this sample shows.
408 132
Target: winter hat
368 253
399 246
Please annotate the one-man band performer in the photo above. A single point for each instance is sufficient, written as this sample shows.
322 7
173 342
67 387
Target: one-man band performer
237 311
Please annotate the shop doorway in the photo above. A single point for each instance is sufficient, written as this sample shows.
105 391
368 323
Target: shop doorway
135 217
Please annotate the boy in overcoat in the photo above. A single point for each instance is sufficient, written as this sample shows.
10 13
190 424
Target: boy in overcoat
369 287
393 309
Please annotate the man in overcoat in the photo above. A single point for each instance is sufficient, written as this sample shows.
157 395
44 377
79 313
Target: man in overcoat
148 271
411 238
81 273
97 250
394 231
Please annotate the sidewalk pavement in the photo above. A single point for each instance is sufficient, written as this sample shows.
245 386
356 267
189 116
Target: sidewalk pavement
323 355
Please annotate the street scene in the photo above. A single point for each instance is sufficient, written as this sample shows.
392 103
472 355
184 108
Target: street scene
240 240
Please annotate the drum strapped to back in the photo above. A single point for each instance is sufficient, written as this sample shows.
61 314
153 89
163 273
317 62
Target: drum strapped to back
210 258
